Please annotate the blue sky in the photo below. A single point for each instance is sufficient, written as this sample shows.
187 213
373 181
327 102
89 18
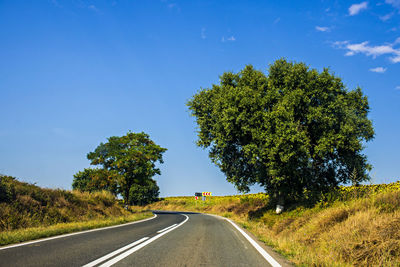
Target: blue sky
73 73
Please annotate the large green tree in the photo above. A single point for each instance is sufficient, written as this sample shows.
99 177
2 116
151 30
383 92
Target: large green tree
291 131
133 157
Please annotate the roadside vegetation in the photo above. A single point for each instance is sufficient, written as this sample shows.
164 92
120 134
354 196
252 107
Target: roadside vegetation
350 226
29 212
290 130
126 166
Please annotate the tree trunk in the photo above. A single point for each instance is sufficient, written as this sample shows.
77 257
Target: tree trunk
126 195
280 204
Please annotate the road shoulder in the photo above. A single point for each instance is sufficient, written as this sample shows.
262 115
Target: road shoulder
270 251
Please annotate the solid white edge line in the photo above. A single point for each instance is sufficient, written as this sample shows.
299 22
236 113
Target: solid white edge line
129 252
76 233
266 256
166 228
112 254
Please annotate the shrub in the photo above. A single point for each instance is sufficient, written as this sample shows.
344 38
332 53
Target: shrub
143 194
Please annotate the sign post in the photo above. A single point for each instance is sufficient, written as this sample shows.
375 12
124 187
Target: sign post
197 195
205 194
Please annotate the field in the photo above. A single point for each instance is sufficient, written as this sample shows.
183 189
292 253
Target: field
29 212
352 226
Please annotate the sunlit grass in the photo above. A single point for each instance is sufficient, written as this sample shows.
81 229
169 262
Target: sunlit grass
29 212
352 226
21 235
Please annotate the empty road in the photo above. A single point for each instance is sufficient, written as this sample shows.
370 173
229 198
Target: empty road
168 239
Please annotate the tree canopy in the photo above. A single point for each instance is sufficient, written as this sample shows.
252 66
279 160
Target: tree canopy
290 131
129 163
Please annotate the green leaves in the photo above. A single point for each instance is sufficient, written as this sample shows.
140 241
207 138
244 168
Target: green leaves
292 130
96 180
128 162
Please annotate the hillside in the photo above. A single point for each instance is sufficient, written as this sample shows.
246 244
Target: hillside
353 226
28 211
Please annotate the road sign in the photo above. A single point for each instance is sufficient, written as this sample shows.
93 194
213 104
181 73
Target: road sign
206 193
198 194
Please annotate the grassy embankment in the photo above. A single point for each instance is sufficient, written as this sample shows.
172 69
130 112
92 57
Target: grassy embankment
355 226
29 212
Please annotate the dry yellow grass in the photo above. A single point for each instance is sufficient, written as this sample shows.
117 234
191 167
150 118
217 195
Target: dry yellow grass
29 212
26 234
364 231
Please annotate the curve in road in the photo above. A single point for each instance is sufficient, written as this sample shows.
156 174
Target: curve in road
188 239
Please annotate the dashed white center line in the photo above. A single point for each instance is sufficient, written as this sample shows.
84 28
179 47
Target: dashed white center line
125 251
166 228
132 250
112 254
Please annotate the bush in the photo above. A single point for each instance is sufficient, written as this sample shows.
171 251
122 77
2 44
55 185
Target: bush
143 194
4 197
6 189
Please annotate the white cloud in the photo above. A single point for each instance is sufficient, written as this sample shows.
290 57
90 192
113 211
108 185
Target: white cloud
373 51
357 8
397 41
171 5
378 70
395 59
203 33
229 39
322 29
387 16
398 87
277 20
340 44
94 8
394 3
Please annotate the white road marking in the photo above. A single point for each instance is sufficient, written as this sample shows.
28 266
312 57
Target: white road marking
76 233
266 256
134 249
166 228
112 254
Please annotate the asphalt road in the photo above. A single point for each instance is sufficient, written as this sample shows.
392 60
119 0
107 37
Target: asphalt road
169 239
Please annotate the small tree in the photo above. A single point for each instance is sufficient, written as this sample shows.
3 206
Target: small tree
133 157
291 131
